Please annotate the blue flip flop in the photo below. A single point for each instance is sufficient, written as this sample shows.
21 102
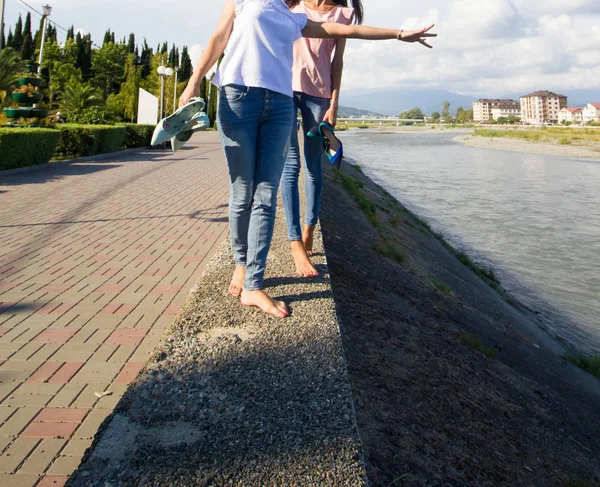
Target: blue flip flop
333 146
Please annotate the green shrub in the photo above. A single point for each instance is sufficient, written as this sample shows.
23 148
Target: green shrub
89 140
137 135
94 116
21 147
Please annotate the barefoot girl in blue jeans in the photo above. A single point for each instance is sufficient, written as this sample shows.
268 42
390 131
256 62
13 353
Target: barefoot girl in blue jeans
316 81
255 113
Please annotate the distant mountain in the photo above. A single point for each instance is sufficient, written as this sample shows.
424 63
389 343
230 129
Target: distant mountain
344 112
395 102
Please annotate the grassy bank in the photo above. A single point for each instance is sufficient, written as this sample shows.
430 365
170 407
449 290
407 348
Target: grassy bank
452 384
558 135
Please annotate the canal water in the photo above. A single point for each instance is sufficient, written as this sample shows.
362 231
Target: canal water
534 219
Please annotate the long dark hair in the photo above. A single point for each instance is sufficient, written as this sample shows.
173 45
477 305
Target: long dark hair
356 5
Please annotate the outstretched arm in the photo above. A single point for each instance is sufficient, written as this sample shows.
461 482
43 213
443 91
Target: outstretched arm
339 31
214 49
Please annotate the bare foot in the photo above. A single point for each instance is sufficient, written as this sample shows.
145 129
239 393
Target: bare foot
237 282
303 266
307 239
261 300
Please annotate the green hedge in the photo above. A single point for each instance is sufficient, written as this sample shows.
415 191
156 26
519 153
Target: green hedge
21 147
89 140
137 135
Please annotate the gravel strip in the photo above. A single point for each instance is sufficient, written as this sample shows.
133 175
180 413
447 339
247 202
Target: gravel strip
233 397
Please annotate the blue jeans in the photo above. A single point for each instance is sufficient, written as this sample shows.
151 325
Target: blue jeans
313 110
254 126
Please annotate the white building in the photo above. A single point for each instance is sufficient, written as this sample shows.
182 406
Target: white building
506 111
591 113
542 107
573 115
483 109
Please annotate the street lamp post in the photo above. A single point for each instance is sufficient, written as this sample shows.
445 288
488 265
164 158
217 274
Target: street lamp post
1 24
163 72
47 10
175 91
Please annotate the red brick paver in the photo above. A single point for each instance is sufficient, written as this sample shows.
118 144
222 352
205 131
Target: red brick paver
95 259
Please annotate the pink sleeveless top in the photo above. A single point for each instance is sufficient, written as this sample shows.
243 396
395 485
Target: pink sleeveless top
311 73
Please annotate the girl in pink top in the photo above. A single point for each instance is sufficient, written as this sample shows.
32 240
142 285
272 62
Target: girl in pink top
316 81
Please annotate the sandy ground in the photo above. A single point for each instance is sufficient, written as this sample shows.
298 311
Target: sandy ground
542 148
431 410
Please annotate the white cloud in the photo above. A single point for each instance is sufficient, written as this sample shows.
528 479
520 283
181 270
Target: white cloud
485 47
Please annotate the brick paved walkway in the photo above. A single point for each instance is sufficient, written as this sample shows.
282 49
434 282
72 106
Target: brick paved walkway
95 260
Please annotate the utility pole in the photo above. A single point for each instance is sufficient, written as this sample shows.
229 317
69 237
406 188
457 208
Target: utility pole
175 91
47 11
1 24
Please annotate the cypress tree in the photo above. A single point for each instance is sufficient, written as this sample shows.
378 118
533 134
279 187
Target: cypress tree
203 90
185 70
165 48
17 41
131 44
37 38
173 57
106 38
27 26
28 48
212 104
9 38
51 34
145 59
112 38
71 33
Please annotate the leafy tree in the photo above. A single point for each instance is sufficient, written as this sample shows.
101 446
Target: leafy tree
464 116
413 114
446 111
10 67
435 117
513 119
126 102
78 97
108 67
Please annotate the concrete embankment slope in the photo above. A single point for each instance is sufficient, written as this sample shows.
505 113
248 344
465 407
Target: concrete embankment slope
454 383
232 397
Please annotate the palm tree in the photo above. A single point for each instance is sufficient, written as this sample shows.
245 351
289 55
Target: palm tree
10 67
77 96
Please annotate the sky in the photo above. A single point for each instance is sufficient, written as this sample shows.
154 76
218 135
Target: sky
485 47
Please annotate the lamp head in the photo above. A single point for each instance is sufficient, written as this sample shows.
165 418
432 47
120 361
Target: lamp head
168 72
161 70
47 10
